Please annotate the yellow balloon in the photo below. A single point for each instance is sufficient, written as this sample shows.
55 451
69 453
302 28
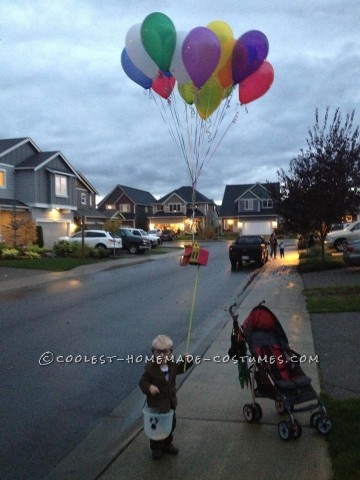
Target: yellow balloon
226 39
187 92
208 98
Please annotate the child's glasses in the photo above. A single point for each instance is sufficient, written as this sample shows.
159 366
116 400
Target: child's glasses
156 351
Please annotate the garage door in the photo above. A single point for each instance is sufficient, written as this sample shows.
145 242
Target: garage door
257 228
52 231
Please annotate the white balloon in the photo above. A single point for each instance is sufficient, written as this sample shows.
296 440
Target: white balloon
177 67
138 54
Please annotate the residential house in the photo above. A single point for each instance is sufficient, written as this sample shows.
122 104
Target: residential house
43 185
248 209
87 212
175 211
131 205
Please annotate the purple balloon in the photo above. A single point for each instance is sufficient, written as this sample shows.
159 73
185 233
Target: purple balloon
201 53
249 53
133 72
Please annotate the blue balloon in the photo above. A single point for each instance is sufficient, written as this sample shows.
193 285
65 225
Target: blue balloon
133 72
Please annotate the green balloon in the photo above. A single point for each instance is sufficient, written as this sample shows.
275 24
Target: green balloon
187 92
158 36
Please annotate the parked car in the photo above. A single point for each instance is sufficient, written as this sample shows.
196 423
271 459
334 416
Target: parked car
338 238
167 235
248 248
96 239
338 226
351 255
134 243
154 238
139 232
156 231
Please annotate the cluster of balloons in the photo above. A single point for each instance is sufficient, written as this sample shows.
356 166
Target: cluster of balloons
207 62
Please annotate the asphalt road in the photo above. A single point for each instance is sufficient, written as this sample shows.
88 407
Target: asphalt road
95 328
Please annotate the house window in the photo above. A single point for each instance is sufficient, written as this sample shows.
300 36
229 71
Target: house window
267 203
61 189
248 205
124 207
174 207
2 179
83 198
159 207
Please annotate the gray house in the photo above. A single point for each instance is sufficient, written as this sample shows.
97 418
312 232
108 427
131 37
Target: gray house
43 185
131 205
175 211
248 209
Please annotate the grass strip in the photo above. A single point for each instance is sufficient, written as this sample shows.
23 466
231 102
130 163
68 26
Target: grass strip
56 264
333 299
315 264
344 440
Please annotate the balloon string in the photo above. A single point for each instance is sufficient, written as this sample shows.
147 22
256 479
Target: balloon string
192 311
197 140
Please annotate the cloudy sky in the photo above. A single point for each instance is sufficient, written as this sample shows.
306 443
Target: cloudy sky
62 84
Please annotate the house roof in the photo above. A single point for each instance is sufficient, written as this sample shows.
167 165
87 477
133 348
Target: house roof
90 212
139 197
8 144
185 193
36 160
233 193
86 182
10 203
162 214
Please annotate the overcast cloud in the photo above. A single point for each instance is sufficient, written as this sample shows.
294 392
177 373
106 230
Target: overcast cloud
62 84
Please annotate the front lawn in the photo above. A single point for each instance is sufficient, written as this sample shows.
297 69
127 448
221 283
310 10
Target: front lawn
344 440
333 299
312 261
55 264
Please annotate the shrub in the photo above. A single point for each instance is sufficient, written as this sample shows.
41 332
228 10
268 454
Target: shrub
35 249
32 255
64 248
10 253
39 236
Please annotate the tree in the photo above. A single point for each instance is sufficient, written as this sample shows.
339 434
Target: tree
324 179
112 226
21 228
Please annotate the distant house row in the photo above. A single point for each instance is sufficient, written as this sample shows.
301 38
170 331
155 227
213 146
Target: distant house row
45 187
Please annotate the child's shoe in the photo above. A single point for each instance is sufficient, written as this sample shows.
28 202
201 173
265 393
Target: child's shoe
171 449
156 453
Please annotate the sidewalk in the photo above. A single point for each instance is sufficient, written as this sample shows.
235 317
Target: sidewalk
215 441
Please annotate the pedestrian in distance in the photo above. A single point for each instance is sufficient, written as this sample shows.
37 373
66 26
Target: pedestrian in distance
158 383
282 249
273 245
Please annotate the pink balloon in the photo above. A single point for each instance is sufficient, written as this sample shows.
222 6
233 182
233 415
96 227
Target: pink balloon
256 84
201 53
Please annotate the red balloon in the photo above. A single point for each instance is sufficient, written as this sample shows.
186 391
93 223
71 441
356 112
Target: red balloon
163 85
256 84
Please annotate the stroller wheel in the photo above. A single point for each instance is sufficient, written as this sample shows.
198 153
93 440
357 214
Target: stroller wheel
314 418
296 429
258 412
250 412
284 430
324 425
280 407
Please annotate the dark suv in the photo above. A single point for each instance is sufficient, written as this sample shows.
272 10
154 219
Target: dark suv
133 243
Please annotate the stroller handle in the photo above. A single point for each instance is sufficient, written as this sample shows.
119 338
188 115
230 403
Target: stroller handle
231 311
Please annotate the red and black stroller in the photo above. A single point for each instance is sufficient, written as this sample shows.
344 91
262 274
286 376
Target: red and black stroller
272 370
